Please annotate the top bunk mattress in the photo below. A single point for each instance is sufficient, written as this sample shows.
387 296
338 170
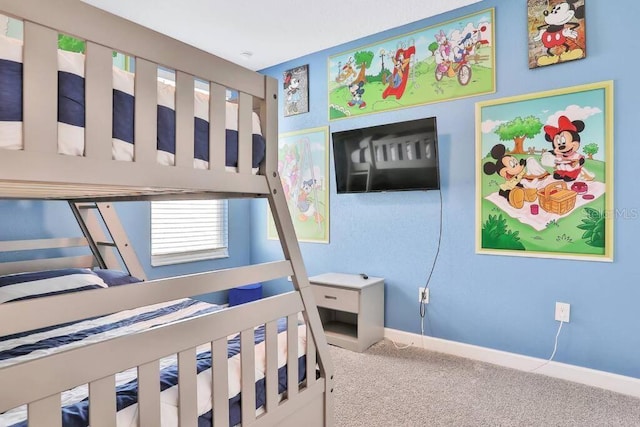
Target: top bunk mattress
71 113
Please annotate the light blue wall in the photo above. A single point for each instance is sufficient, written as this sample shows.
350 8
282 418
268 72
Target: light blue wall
504 303
31 219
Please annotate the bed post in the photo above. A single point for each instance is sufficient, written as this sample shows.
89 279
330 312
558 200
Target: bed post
288 239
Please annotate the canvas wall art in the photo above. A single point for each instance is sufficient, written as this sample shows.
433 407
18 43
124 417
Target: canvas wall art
557 31
451 60
303 164
544 174
295 84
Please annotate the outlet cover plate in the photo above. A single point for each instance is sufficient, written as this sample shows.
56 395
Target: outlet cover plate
563 310
426 297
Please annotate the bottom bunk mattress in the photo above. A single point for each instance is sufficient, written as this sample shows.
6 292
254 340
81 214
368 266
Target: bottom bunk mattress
25 346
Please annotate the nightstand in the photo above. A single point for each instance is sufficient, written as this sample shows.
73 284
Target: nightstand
351 309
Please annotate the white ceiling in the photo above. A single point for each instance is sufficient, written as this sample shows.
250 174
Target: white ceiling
259 34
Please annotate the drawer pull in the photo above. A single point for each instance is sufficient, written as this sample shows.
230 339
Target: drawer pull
330 297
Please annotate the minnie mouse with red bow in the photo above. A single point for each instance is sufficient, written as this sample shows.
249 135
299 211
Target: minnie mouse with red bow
566 141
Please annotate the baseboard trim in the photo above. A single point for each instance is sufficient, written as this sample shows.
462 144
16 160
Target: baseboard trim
591 377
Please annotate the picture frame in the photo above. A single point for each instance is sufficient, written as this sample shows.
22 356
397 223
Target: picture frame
544 174
295 86
303 165
450 60
557 31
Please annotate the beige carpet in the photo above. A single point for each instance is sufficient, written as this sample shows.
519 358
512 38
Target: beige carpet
387 386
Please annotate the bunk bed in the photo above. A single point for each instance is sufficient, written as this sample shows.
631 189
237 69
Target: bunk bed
269 356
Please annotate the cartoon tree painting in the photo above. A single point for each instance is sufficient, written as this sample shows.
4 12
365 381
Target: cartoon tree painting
432 48
590 150
518 130
364 58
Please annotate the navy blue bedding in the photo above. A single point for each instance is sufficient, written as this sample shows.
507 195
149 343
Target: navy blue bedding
76 414
10 91
23 286
27 345
71 110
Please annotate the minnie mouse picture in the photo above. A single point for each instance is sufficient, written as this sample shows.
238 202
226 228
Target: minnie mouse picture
565 139
295 87
292 87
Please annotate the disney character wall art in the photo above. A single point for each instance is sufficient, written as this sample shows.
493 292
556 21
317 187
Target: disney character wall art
512 171
556 31
565 139
544 174
356 90
295 85
445 61
303 166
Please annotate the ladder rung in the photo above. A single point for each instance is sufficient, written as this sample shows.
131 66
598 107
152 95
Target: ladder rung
106 244
86 206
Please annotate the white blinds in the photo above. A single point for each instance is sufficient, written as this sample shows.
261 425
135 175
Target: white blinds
188 230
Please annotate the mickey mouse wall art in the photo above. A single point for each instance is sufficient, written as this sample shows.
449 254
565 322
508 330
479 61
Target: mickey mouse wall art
544 174
556 31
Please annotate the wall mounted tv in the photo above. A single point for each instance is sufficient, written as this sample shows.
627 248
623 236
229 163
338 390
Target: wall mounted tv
391 157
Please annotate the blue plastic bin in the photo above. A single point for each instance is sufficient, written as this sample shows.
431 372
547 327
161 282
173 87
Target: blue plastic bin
243 294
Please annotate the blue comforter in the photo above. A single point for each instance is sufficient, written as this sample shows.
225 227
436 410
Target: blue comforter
18 347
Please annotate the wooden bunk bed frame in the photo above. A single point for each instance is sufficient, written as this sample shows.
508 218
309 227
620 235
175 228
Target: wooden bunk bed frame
39 172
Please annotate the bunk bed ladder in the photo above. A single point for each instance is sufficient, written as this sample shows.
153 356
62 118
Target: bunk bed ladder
107 239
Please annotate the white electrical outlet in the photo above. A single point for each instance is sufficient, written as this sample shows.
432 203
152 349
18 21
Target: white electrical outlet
426 295
563 310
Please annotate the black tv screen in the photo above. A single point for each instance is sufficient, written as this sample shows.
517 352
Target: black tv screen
391 157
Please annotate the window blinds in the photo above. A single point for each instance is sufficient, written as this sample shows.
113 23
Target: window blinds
188 230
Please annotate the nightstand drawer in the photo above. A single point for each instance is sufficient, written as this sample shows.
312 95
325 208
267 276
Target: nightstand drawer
336 298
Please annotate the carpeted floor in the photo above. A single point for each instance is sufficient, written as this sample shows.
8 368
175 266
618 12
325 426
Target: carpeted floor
388 386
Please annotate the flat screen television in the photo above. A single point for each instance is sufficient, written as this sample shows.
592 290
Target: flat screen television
391 157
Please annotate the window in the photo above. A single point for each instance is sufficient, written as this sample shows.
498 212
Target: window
188 230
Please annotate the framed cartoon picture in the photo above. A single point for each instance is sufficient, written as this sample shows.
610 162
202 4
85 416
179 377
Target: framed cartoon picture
295 84
303 164
450 60
544 174
556 31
